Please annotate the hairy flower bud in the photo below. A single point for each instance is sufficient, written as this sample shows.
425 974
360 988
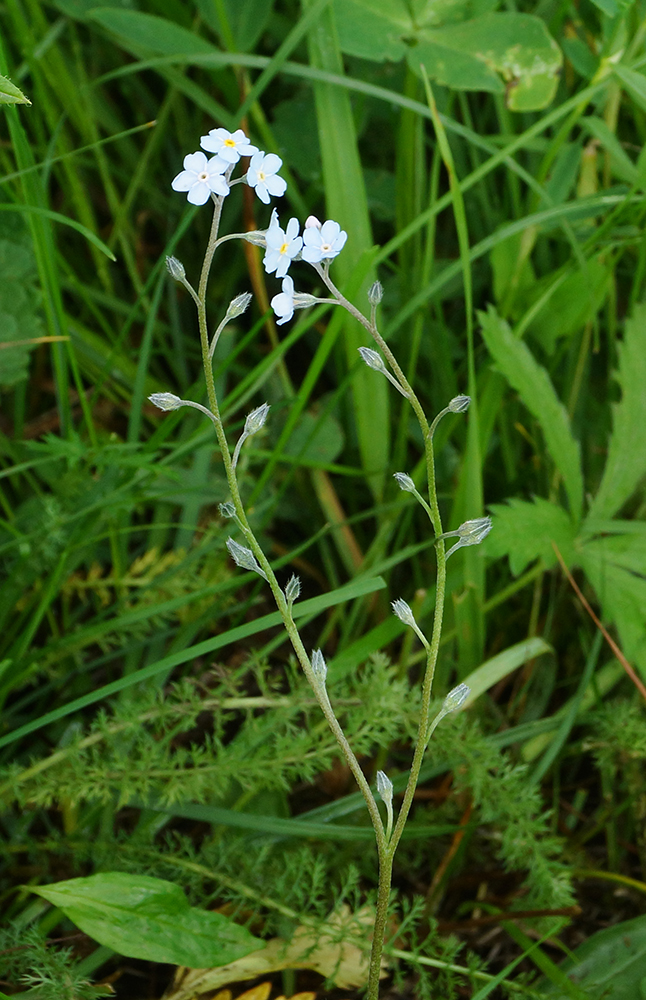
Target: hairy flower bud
239 305
372 359
375 293
257 237
255 420
293 589
165 400
403 612
385 787
473 532
404 482
319 665
459 404
244 557
456 698
175 268
227 509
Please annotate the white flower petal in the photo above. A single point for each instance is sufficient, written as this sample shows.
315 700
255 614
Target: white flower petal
199 194
183 181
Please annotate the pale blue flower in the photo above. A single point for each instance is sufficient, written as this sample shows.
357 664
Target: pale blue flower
282 246
230 146
283 303
324 243
261 175
201 178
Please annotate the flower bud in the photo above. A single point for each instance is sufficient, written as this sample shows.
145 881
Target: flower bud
403 612
293 589
311 222
385 787
372 359
244 557
257 237
227 509
459 404
256 420
165 400
375 293
404 482
319 665
455 698
175 268
473 532
239 305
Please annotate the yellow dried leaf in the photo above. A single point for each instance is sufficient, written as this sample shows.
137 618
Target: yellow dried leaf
337 951
260 992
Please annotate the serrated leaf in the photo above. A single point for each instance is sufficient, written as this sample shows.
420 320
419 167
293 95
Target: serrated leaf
516 362
9 93
476 54
626 463
616 568
525 531
149 918
610 965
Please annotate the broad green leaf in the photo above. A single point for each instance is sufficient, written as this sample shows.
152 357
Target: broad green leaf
476 54
9 93
610 965
140 32
574 303
616 568
246 20
489 673
469 54
386 29
514 359
149 918
525 532
620 163
626 463
316 440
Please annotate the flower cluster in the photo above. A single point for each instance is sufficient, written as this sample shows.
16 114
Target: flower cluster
204 178
201 177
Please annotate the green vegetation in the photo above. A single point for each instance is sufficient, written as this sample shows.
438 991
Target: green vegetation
161 752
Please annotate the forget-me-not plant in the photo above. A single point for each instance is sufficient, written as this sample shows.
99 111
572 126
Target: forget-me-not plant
204 179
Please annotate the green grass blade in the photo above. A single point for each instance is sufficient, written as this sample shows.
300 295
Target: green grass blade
314 605
347 204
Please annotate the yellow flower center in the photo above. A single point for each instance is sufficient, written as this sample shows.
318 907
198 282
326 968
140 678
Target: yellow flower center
283 249
261 175
230 142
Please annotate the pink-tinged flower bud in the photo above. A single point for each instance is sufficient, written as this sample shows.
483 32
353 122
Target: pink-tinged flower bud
312 221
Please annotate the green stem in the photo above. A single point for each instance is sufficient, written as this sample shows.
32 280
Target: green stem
386 857
279 597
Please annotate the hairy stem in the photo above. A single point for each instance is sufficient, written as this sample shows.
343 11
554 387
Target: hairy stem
279 597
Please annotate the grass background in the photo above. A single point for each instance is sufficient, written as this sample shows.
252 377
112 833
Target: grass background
518 276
